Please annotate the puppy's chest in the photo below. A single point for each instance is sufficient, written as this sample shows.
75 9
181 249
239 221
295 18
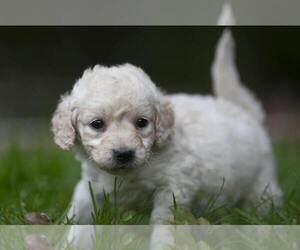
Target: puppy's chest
136 194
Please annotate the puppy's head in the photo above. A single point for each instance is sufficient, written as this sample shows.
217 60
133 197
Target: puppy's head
117 115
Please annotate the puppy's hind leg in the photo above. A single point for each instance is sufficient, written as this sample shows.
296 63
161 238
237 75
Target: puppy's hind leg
265 193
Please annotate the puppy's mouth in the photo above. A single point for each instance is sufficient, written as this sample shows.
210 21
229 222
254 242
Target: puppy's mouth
122 162
121 169
114 168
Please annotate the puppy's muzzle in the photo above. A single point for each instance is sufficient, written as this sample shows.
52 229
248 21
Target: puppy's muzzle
123 156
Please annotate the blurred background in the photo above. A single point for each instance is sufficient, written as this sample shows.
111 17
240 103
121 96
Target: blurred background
38 64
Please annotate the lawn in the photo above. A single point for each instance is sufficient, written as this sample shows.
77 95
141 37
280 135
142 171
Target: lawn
41 179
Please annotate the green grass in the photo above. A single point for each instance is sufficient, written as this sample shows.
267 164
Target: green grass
35 180
42 180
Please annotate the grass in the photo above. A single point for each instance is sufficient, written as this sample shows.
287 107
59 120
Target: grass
42 179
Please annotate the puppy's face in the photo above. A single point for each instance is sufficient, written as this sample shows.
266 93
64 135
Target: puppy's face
118 133
118 115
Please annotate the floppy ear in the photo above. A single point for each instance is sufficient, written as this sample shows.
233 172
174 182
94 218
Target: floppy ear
62 128
164 122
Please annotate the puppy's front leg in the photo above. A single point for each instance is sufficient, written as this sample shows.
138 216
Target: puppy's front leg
163 202
82 206
161 236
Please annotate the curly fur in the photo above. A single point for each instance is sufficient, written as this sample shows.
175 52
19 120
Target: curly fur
192 143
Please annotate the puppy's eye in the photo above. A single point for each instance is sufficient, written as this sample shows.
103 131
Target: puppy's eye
98 124
141 123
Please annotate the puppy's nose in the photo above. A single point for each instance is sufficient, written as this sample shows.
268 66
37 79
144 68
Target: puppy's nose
123 156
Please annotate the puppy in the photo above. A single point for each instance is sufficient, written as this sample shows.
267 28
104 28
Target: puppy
120 124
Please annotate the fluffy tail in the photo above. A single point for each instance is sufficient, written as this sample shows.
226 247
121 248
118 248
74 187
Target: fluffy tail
226 16
226 79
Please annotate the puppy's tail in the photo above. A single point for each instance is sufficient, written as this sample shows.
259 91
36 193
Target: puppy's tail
226 79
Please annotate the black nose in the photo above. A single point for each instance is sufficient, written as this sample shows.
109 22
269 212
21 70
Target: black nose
123 156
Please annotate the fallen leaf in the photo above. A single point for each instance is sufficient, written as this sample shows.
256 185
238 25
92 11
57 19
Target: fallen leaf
37 218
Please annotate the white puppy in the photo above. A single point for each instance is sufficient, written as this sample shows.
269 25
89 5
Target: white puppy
120 124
